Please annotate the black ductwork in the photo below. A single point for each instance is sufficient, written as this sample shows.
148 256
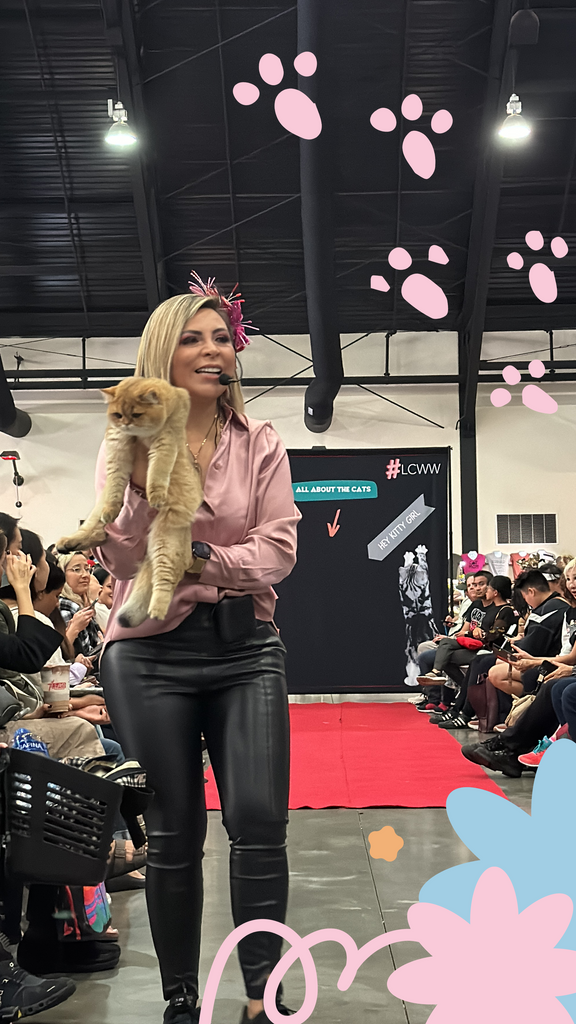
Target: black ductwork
316 166
13 421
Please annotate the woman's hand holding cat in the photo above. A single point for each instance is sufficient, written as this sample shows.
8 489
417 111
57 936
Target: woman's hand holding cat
140 466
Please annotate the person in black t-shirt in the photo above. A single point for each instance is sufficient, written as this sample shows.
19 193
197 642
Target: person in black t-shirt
480 617
541 717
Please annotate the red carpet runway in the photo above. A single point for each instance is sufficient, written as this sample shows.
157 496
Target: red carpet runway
371 755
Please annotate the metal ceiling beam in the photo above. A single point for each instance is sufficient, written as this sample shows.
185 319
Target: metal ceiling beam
69 373
33 206
71 380
26 323
59 269
531 317
480 246
120 34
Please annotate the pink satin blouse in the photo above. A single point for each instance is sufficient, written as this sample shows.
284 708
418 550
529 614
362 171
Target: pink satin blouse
248 517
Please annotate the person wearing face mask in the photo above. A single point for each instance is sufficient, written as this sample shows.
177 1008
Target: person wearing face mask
77 610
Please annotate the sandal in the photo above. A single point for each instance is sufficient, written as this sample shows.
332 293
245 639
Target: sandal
125 858
126 883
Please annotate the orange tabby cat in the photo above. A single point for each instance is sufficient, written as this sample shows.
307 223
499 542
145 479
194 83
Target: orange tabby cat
154 412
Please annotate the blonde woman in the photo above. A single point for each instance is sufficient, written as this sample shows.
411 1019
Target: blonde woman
77 610
215 665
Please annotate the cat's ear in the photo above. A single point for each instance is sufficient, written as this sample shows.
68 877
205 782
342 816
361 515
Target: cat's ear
109 393
150 398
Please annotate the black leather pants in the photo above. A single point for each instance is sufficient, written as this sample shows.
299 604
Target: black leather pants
162 692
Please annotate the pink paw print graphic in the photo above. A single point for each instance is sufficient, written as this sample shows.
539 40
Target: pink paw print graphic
416 147
419 291
542 279
533 396
295 111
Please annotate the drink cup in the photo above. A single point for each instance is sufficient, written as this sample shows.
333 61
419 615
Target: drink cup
56 686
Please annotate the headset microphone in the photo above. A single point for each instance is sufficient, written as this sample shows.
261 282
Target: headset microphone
225 379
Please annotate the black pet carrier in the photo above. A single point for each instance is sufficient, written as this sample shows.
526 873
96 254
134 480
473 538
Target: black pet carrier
57 820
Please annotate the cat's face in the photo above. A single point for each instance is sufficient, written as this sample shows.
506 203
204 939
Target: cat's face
137 406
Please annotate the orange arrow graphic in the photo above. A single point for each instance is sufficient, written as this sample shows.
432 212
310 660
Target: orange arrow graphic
332 528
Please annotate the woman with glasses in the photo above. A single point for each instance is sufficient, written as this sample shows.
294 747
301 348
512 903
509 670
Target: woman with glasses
75 606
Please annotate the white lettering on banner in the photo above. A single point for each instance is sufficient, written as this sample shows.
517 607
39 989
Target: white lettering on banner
419 468
394 533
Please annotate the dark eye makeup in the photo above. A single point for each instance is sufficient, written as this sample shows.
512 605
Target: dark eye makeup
191 338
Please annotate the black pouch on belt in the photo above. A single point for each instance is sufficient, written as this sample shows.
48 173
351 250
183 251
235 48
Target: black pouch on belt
234 619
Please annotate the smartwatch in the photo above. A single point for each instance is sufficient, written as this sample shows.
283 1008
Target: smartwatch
201 553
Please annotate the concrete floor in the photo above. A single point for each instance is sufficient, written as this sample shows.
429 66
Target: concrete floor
334 883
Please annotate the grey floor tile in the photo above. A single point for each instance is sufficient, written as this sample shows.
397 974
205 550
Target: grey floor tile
334 883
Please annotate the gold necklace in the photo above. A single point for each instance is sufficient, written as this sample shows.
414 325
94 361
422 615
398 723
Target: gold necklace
195 457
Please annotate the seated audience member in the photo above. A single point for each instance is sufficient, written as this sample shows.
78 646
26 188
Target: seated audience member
24 648
77 611
449 654
63 738
555 576
11 530
542 636
455 623
542 640
105 596
439 696
500 618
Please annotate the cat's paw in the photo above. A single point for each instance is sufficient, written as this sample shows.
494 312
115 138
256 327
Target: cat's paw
65 545
159 605
110 512
157 496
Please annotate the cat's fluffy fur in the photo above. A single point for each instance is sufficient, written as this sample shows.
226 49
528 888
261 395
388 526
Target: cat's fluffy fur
151 410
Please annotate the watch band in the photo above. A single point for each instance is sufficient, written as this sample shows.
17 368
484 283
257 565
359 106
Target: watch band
197 565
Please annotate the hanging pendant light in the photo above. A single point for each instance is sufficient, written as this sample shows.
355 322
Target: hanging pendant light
120 133
514 125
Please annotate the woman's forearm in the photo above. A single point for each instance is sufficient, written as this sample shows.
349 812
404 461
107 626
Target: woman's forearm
24 601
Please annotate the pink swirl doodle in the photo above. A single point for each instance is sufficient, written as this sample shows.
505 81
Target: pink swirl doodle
300 951
539 972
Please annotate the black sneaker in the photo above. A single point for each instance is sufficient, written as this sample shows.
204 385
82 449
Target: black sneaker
182 1010
441 716
496 743
497 760
454 722
28 993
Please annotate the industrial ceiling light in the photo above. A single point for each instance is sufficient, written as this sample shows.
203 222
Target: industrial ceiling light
514 125
120 133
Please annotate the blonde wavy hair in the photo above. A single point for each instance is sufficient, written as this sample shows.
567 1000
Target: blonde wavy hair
161 336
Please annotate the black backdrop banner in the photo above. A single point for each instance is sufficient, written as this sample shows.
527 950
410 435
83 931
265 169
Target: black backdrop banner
370 583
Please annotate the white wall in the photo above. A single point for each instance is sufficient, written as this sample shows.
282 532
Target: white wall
525 461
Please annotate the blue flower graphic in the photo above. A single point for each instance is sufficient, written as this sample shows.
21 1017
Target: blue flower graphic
537 851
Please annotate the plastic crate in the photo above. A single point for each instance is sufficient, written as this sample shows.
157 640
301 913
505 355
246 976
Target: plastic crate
58 820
